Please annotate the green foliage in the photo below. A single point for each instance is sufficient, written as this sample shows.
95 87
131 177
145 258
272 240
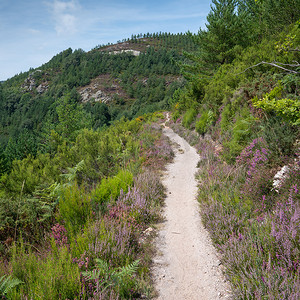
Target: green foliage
109 189
73 208
121 279
31 216
53 277
189 117
280 138
204 122
226 118
240 135
29 173
7 283
288 109
99 113
71 176
71 118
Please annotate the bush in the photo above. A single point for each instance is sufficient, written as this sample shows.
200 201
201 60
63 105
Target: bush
30 216
279 136
54 276
226 118
109 189
73 208
189 117
240 135
204 122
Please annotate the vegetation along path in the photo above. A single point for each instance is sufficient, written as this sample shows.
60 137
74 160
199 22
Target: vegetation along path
186 265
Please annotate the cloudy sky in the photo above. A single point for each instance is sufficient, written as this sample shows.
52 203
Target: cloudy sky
33 31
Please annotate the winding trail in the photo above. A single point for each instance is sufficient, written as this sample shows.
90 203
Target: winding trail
186 266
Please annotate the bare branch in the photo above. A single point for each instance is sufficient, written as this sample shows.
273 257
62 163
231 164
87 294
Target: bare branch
296 50
275 64
288 65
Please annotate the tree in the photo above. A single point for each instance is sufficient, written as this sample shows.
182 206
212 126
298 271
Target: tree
71 118
226 29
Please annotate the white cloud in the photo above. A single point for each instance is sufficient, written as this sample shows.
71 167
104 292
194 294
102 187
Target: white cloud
33 31
64 15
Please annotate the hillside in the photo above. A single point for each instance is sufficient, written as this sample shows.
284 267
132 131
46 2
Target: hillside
82 151
103 83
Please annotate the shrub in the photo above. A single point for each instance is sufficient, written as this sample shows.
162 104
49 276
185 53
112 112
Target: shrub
189 117
226 118
73 208
109 189
254 158
53 276
204 122
240 135
29 173
288 109
31 216
280 137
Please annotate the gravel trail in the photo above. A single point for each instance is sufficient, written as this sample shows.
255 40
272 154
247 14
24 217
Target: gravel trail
186 266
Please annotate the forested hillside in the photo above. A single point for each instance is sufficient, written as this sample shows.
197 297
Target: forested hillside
99 87
80 142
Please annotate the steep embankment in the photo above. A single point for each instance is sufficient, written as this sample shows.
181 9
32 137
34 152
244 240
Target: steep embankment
186 266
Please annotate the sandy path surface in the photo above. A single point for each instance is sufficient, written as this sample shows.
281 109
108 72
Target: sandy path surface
186 266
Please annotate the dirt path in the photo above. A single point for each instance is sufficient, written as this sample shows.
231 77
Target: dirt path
186 266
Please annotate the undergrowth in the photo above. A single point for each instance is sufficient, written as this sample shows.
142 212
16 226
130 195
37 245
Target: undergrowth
255 227
87 240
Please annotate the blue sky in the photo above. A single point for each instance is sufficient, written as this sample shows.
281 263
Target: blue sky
33 31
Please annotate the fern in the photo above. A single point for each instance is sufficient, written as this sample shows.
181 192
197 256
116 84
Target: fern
118 278
7 283
70 177
128 270
102 269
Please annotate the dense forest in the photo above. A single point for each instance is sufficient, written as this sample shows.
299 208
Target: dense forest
80 142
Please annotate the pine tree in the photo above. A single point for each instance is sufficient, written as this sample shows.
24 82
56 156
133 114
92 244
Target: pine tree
225 30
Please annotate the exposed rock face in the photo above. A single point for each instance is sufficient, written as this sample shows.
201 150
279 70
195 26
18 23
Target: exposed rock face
43 87
103 89
30 83
133 52
88 94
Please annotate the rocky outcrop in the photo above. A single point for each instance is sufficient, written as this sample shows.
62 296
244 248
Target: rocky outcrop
130 51
30 83
43 87
88 93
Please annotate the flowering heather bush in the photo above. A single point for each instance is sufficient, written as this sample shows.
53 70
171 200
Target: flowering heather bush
285 230
115 237
59 233
256 230
221 228
258 179
155 151
112 241
253 155
265 259
150 185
